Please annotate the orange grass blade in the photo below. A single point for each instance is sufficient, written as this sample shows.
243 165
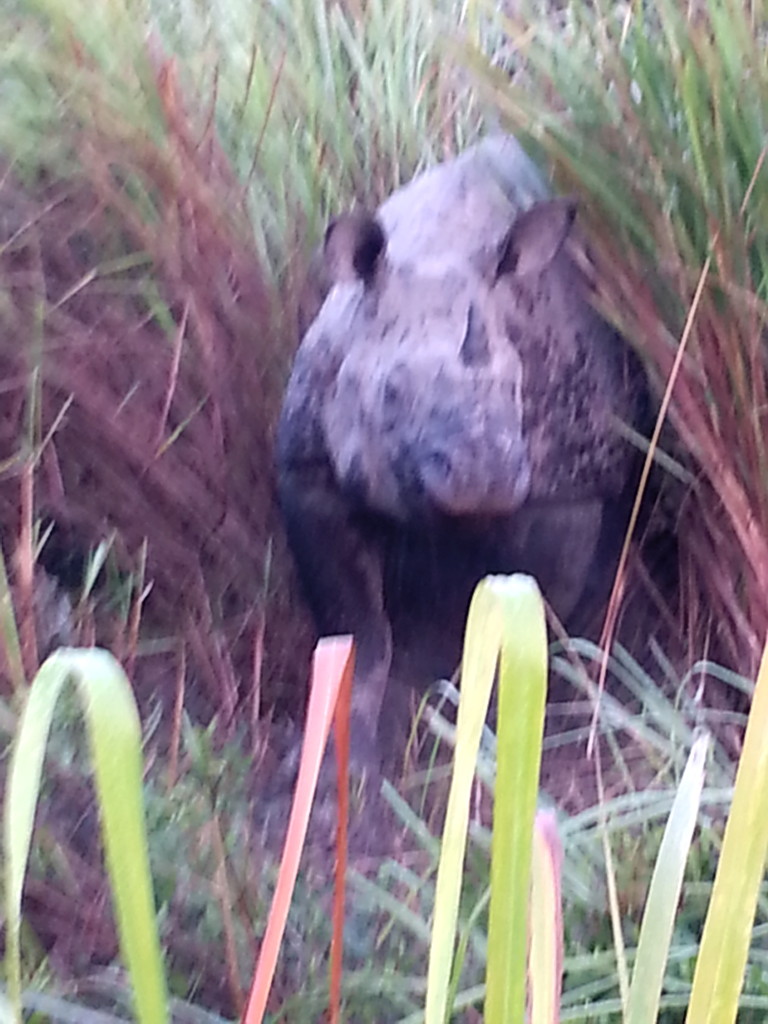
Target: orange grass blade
341 731
330 666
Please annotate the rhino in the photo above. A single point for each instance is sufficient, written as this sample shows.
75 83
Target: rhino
453 410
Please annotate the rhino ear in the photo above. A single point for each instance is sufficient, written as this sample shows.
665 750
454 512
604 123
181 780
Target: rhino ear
353 248
536 237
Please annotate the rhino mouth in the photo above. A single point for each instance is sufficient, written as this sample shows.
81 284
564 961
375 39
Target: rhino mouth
465 463
490 479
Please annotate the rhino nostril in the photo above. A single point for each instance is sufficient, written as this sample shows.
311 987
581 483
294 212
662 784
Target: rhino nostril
475 350
438 465
392 406
391 395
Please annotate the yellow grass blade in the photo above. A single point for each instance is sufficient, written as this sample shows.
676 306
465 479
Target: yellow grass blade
719 975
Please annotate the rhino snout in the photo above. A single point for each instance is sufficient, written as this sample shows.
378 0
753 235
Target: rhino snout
490 481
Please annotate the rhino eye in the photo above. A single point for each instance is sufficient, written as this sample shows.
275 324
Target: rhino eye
474 349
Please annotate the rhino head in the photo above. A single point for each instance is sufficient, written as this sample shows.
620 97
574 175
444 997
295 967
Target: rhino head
424 413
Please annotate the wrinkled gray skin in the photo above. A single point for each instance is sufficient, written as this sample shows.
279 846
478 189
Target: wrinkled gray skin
451 412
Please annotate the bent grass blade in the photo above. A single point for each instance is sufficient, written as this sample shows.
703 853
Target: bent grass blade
522 699
114 739
331 675
506 618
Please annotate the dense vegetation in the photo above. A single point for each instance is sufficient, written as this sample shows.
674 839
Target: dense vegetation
165 169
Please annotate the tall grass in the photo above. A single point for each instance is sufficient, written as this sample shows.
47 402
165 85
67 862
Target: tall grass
162 167
205 146
222 135
314 103
656 117
617 845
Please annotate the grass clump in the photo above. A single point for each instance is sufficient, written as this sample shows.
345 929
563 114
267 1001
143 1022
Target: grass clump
313 104
656 118
165 168
210 888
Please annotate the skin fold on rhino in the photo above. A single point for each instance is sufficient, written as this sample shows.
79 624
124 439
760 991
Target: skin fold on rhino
452 411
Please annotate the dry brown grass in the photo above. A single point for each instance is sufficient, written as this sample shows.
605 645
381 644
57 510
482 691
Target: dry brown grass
160 376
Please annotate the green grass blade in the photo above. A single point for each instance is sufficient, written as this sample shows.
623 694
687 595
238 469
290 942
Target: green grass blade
664 892
522 697
22 790
719 974
10 633
480 656
506 615
114 736
7 1015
